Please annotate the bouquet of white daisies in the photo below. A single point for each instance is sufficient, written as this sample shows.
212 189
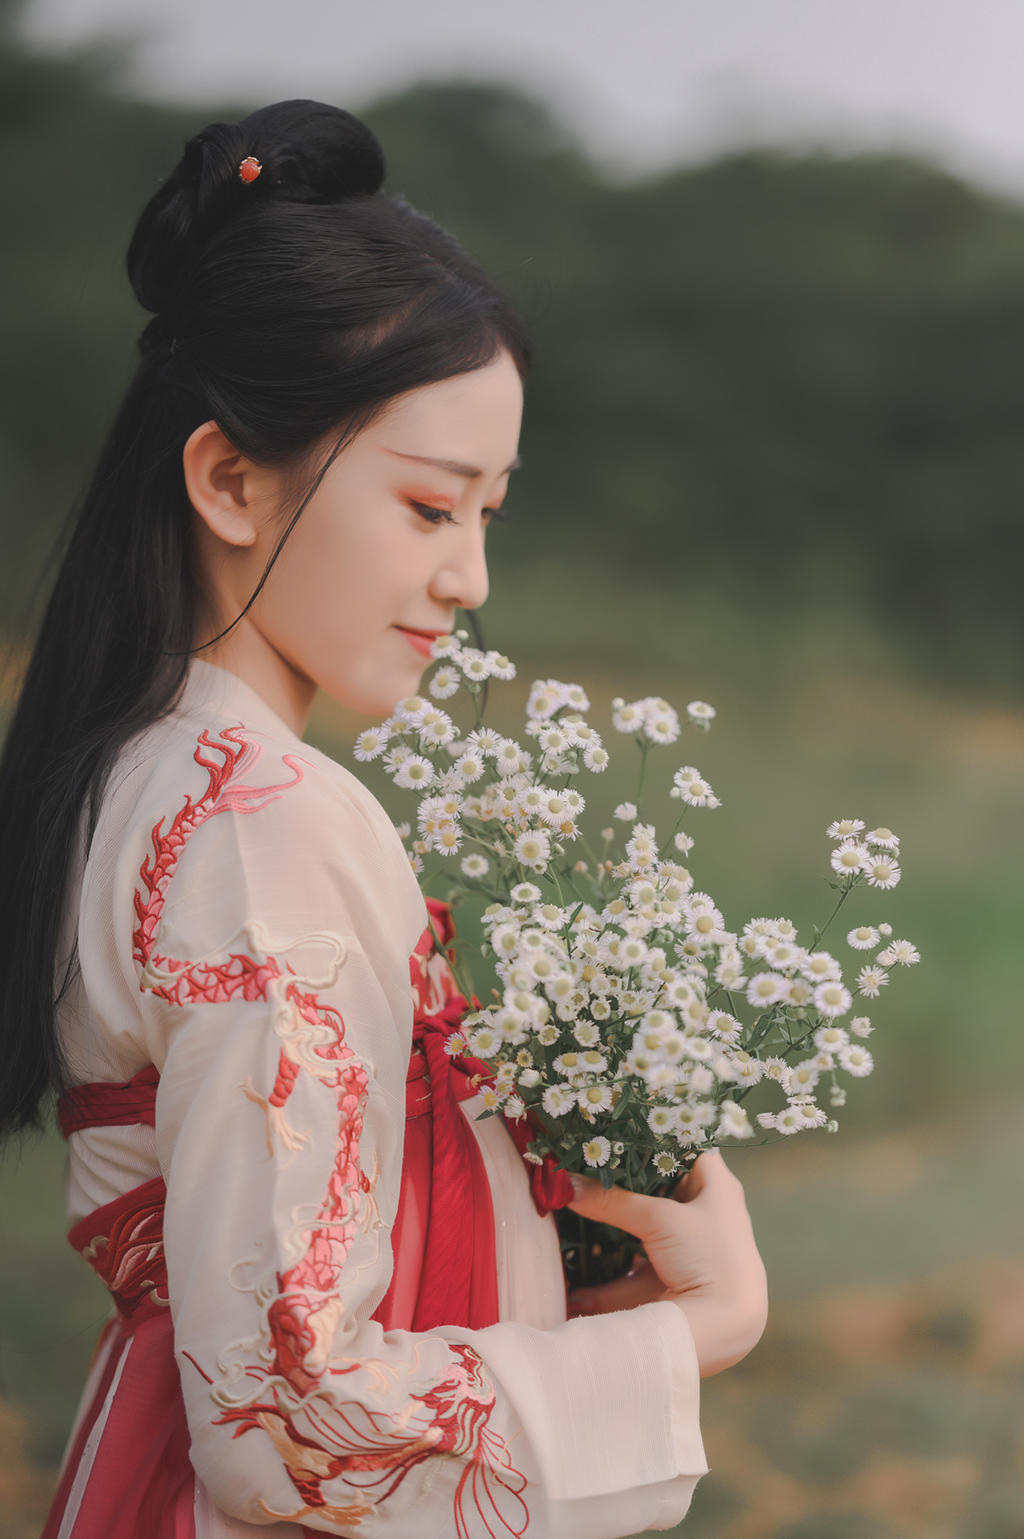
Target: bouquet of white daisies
627 1022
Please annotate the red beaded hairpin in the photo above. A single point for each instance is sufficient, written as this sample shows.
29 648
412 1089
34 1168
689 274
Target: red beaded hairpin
249 169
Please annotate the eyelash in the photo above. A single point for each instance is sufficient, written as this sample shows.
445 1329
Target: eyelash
442 515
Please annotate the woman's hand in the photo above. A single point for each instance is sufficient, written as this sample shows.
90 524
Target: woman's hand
701 1255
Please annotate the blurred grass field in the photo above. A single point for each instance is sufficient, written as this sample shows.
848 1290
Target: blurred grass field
887 1396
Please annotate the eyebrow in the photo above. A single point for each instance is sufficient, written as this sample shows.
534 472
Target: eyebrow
470 472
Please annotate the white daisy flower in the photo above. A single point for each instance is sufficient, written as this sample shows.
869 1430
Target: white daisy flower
863 938
832 999
765 989
861 1026
595 1098
849 858
371 743
627 718
549 916
625 812
700 712
435 729
554 810
484 740
661 724
689 784
801 992
533 848
596 758
447 840
508 757
882 871
500 666
575 697
900 952
558 1100
524 892
413 772
884 838
596 1151
734 1121
665 1163
747 1070
586 1033
474 665
396 757
812 1115
789 1120
546 697
471 766
782 954
484 1042
845 828
871 980
662 1120
475 865
829 1039
822 967
885 930
800 1078
553 739
444 683
856 1060
548 1035
723 1025
445 646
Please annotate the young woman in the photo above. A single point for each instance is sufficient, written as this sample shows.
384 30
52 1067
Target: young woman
339 1302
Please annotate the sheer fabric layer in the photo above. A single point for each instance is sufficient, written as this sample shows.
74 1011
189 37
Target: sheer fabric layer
245 922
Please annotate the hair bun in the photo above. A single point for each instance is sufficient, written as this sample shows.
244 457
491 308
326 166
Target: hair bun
314 153
309 152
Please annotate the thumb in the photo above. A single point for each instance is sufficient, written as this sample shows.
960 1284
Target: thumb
613 1205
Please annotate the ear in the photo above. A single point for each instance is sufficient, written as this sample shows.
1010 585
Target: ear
228 491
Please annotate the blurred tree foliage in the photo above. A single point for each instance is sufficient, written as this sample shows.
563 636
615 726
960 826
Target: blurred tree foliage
793 377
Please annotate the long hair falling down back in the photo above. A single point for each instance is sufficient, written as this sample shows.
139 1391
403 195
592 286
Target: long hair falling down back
289 309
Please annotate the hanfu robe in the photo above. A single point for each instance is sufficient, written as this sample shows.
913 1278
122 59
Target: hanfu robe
333 1312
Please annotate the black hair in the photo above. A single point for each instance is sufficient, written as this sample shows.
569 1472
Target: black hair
289 309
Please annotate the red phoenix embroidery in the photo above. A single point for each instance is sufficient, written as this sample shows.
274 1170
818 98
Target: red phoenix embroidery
325 1439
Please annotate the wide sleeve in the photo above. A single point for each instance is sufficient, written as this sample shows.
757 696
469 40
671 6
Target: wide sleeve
273 919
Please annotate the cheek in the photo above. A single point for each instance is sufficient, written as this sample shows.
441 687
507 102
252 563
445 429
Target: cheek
337 589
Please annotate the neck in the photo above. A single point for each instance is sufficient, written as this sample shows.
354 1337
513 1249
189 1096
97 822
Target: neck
247 654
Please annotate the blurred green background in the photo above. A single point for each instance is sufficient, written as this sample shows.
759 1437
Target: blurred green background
772 459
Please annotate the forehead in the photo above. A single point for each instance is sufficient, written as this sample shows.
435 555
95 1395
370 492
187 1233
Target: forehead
471 419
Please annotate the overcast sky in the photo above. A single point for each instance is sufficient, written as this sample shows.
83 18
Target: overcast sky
644 82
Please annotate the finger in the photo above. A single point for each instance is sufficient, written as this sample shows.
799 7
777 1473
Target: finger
640 1287
623 1210
707 1167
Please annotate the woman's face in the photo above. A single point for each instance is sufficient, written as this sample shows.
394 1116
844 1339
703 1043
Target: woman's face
386 550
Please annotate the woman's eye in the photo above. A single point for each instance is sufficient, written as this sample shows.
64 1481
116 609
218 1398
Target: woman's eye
433 515
444 515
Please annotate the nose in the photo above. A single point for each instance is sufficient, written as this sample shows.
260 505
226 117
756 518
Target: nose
460 577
